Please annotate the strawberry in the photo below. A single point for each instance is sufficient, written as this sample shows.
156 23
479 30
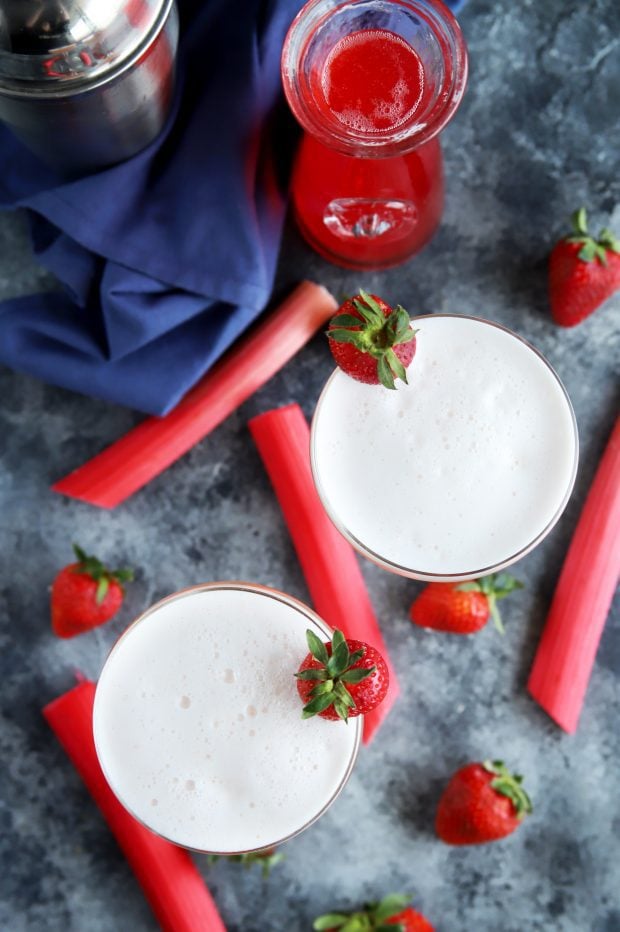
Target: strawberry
482 802
341 679
583 272
85 594
372 342
391 913
462 608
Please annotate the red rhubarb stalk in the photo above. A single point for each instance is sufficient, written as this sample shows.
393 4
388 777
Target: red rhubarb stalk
328 561
583 595
133 460
168 876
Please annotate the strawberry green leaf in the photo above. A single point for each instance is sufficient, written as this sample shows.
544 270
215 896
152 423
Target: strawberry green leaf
356 676
385 373
391 905
495 586
396 365
82 557
316 705
312 674
398 325
339 660
355 337
369 309
504 584
470 586
357 923
607 239
356 655
321 689
509 785
342 710
345 320
592 248
329 921
123 575
316 647
371 303
343 695
267 863
406 337
338 638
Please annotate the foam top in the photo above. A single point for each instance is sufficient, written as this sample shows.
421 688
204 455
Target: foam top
198 724
457 472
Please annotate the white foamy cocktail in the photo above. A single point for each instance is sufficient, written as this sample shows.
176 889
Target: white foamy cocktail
197 721
459 473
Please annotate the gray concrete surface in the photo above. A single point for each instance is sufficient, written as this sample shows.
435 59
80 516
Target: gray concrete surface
537 135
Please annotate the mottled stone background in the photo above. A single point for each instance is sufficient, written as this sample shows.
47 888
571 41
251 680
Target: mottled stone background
537 135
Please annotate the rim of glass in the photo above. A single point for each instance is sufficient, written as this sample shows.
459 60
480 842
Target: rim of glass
264 591
410 572
402 140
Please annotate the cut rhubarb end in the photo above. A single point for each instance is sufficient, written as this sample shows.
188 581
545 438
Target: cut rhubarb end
565 656
329 563
132 461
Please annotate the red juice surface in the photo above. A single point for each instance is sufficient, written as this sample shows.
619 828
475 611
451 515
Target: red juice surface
359 210
372 81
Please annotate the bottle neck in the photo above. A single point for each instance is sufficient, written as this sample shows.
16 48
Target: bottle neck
419 37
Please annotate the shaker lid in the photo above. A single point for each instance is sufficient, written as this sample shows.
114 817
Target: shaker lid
51 42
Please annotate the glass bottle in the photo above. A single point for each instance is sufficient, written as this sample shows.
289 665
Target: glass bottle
372 83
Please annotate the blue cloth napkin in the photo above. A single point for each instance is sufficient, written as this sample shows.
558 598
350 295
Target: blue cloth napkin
167 257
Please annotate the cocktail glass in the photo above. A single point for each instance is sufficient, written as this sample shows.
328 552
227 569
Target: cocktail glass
367 188
459 473
197 721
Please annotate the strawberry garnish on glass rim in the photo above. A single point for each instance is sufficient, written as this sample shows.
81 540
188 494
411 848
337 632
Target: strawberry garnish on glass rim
372 342
342 678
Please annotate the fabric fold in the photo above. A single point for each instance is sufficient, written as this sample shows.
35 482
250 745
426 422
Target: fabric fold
166 258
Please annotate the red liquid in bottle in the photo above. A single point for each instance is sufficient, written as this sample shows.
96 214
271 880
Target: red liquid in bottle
359 210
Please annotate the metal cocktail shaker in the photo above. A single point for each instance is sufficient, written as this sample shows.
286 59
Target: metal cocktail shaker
86 83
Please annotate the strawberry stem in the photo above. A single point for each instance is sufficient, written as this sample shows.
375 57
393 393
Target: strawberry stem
495 586
509 785
591 248
91 566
